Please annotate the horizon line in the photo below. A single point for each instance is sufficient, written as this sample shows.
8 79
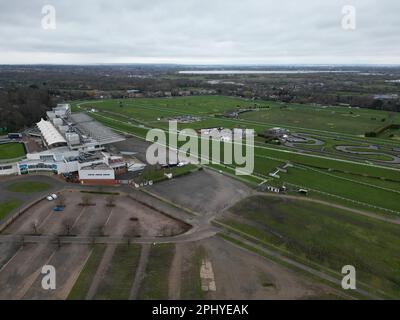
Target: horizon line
208 64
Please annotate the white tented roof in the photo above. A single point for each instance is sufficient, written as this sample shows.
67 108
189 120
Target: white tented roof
50 133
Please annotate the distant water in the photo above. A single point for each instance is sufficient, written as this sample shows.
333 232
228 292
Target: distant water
261 71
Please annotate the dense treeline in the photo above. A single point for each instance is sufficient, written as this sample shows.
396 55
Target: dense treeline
22 107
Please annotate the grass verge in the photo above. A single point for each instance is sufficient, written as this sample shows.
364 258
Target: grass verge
120 275
28 187
82 284
7 206
155 284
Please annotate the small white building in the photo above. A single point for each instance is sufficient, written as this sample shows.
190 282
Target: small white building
96 172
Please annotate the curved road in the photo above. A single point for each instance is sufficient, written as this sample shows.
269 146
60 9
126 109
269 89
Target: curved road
346 149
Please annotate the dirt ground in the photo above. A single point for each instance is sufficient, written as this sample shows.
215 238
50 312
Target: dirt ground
126 218
20 266
20 272
247 277
204 191
68 262
238 274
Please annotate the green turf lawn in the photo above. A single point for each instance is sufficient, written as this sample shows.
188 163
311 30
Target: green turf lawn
179 105
335 119
155 283
266 160
181 171
28 187
191 281
327 236
393 134
120 275
326 182
82 284
7 206
268 157
332 119
11 150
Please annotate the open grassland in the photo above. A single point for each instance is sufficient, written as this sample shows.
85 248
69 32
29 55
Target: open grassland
350 189
7 206
325 119
155 283
11 150
182 105
155 112
82 284
351 182
119 277
325 236
28 187
347 185
335 119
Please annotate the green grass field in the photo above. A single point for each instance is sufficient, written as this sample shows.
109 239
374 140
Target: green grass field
335 178
334 119
82 284
191 281
11 151
322 236
326 236
28 187
155 284
7 206
120 275
343 120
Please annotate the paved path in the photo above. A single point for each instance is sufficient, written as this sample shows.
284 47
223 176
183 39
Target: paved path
374 151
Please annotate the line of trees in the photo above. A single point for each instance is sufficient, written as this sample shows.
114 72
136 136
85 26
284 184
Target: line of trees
22 107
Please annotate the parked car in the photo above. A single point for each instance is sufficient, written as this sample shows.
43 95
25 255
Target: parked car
54 196
49 198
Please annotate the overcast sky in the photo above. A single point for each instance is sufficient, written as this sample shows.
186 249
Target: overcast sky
200 32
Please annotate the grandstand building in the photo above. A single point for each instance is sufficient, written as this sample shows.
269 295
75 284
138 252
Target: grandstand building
74 143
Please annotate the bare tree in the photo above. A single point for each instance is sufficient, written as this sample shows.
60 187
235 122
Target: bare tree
100 230
58 240
68 223
111 201
166 231
86 199
35 227
60 200
136 230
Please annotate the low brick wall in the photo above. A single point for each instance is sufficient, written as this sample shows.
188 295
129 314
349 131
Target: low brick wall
99 182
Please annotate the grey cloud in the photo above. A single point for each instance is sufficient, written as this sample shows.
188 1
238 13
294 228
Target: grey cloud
200 31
